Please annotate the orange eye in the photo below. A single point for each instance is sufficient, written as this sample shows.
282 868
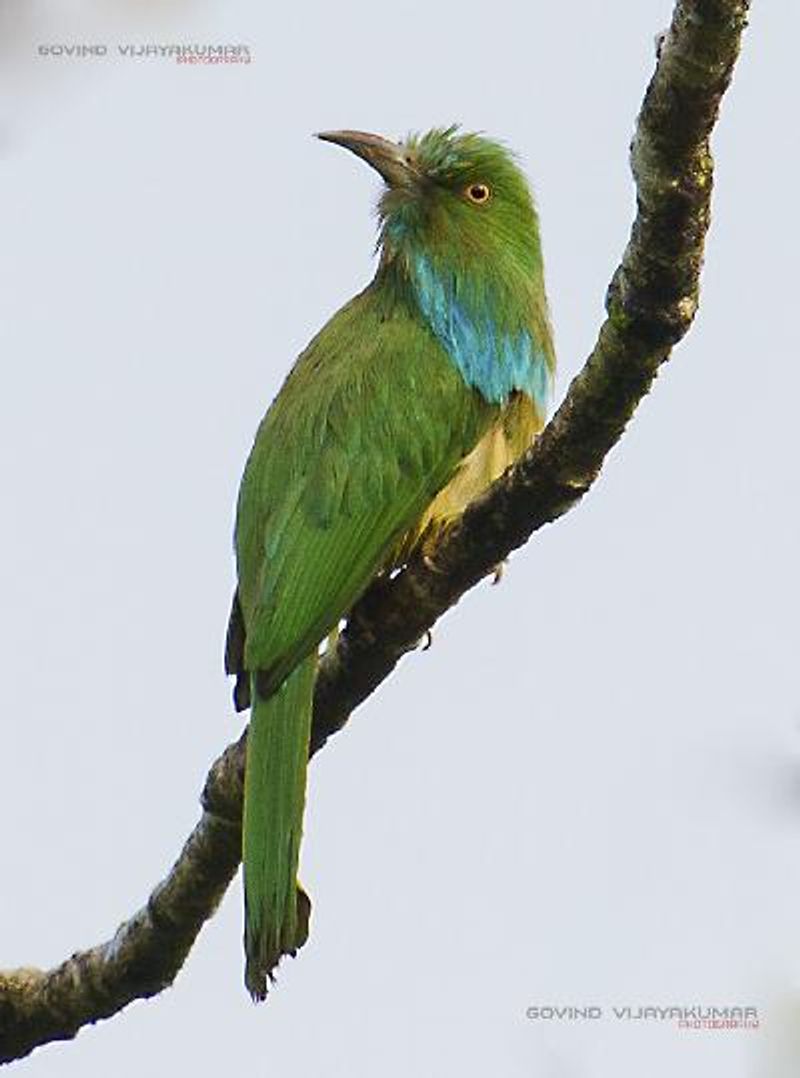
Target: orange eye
478 193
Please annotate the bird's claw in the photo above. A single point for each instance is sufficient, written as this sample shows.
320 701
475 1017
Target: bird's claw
430 564
498 572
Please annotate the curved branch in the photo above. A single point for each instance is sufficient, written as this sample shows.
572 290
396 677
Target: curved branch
651 303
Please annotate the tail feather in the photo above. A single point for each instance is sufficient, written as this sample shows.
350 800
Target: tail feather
276 908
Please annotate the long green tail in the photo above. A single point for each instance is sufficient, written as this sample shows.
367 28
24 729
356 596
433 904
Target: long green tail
276 908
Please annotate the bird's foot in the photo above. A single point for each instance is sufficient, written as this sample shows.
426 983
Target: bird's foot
430 564
499 572
332 639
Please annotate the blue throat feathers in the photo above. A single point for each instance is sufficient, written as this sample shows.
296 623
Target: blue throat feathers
492 359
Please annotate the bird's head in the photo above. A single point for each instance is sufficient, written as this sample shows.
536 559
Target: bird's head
459 198
460 237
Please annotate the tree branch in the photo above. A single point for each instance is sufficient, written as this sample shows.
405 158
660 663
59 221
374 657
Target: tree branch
651 303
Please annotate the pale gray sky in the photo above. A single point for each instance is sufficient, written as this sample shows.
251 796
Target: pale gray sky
588 791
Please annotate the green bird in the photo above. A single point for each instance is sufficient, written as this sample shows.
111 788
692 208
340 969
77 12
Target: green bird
413 398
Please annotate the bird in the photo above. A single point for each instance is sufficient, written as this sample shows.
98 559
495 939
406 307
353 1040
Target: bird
412 399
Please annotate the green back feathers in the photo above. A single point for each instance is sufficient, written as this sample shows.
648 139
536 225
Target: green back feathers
372 421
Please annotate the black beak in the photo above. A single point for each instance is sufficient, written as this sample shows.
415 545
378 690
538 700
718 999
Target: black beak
387 158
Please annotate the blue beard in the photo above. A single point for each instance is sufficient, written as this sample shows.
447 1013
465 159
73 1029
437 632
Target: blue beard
495 360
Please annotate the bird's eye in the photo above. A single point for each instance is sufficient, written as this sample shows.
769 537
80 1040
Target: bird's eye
478 192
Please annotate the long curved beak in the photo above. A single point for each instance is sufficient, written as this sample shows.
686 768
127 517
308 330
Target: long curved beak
386 157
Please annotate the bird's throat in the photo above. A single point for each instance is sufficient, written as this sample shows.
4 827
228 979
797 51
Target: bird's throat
485 334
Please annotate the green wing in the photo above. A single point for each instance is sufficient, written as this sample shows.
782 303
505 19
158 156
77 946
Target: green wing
370 424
